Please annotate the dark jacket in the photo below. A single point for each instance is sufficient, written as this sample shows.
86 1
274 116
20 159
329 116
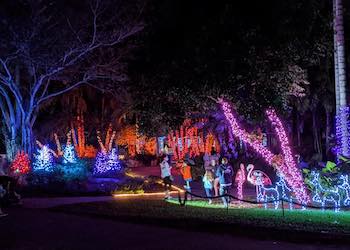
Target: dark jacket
225 174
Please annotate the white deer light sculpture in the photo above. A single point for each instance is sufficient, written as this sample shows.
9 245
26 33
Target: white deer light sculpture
325 195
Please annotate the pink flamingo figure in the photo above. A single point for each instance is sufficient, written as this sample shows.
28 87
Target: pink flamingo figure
240 179
258 178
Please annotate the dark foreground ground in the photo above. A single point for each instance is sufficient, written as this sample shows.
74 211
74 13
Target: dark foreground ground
42 229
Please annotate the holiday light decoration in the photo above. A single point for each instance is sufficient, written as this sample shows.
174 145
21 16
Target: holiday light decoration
285 190
257 178
325 195
240 179
187 140
346 187
21 164
58 145
267 194
43 159
99 140
69 154
108 136
107 162
40 145
342 140
287 167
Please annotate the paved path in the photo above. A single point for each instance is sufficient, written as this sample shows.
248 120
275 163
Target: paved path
53 202
41 229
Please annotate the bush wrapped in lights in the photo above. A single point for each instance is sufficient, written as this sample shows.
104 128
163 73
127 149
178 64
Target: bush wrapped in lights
72 168
21 164
107 163
69 155
43 160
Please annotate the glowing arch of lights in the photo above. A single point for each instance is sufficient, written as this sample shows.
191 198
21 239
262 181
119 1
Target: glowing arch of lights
286 165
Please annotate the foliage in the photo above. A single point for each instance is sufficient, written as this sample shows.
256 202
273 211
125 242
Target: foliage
50 49
73 170
264 63
21 164
43 160
107 163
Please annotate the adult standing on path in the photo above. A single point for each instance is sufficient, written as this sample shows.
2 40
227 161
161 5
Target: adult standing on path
225 174
165 171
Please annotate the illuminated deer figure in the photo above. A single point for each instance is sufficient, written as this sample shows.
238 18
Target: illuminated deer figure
346 187
266 194
323 195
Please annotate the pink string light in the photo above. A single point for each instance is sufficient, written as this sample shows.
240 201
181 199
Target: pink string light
287 166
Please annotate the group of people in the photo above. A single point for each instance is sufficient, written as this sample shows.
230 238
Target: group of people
217 179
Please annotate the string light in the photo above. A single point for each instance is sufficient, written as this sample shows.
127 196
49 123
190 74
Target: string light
292 173
107 162
342 138
346 187
43 159
21 164
240 179
69 154
324 195
288 167
267 194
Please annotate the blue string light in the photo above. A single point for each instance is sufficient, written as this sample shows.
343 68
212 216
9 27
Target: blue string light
43 159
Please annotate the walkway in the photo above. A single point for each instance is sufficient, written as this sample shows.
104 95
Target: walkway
53 202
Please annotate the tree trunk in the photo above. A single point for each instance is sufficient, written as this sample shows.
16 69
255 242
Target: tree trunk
317 144
336 72
341 73
298 130
328 129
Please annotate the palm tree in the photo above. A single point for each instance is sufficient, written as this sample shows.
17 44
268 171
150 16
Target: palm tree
340 73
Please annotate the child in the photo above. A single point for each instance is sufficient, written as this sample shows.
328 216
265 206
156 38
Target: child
186 174
165 169
208 180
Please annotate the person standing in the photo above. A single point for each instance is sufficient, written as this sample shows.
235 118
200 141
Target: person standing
225 174
186 174
165 171
208 180
216 182
2 194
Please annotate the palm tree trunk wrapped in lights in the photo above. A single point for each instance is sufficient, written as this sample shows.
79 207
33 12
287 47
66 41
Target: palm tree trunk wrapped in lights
340 76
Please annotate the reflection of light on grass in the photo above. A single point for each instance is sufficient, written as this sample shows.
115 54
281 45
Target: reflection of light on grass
205 204
251 212
133 175
143 194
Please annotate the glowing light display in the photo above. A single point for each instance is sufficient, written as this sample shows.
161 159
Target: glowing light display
346 187
43 159
107 162
325 195
343 141
240 179
69 154
287 167
21 164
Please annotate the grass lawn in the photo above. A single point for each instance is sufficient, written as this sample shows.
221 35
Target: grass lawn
197 215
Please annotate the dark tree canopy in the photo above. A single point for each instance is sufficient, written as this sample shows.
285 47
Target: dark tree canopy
255 54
